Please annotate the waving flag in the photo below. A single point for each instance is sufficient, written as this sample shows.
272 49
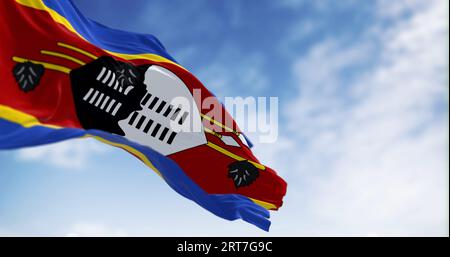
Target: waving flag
64 76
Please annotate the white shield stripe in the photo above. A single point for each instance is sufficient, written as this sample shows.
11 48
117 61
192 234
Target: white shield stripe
99 99
128 89
104 102
93 97
116 109
113 79
106 77
86 96
100 75
110 105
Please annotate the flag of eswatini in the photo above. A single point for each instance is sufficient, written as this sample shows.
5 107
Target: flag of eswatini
65 76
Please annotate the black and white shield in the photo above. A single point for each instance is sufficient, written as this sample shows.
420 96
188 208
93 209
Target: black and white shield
106 91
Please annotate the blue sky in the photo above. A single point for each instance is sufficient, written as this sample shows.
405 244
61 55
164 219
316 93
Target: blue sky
363 133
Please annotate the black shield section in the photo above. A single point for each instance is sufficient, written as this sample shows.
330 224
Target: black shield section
28 75
243 173
107 79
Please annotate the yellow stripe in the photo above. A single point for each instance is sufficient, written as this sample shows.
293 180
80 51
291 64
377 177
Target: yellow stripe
219 124
150 57
76 49
47 65
31 3
27 121
228 153
234 156
266 205
207 130
39 4
140 155
64 56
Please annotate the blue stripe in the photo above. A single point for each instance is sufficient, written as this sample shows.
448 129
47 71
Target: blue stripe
227 206
12 135
106 38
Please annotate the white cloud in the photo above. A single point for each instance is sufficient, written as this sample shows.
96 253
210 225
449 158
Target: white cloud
370 154
88 229
395 9
70 154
